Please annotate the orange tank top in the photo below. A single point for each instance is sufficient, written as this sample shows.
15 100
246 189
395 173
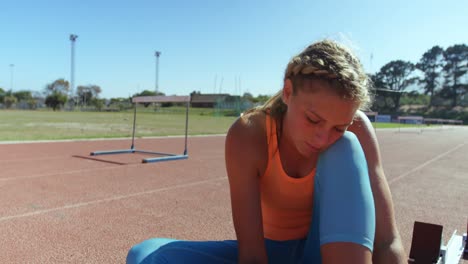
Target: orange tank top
286 201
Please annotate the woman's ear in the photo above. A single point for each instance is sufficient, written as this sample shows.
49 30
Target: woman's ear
287 91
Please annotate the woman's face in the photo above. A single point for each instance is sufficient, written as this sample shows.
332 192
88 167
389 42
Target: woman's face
316 116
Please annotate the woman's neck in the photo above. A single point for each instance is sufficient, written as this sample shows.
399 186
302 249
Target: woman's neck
294 163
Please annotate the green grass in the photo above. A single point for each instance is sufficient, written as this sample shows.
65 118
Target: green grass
48 125
18 125
393 125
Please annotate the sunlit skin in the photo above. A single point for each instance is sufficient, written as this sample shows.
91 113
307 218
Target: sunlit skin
316 118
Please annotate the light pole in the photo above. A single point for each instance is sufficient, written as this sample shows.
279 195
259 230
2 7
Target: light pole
11 76
157 54
72 68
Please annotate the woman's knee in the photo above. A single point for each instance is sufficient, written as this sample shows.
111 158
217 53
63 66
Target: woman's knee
344 148
344 190
348 142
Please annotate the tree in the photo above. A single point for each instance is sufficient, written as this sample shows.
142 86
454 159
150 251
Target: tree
430 64
9 101
384 99
60 86
32 103
395 76
23 95
98 103
455 67
261 99
248 97
2 94
120 103
87 93
56 100
148 93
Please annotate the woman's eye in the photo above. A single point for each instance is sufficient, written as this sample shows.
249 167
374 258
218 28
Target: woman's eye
312 121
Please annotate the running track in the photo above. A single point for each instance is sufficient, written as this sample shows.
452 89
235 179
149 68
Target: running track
60 206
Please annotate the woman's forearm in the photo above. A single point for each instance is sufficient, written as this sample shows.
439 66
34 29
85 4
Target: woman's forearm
390 253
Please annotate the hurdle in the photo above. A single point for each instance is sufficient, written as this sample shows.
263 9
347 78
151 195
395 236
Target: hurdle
427 246
418 120
441 121
132 149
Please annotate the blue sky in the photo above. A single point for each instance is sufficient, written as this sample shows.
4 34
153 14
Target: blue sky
208 45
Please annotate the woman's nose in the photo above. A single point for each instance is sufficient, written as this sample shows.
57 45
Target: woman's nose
321 138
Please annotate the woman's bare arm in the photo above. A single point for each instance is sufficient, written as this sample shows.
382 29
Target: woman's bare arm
243 154
387 244
345 252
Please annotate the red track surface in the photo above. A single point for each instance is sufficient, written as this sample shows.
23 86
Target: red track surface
59 205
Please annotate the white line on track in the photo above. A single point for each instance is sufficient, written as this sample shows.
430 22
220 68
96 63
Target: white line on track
35 159
110 199
65 172
425 163
103 139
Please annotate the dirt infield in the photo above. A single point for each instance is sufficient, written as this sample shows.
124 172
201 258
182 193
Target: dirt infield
59 205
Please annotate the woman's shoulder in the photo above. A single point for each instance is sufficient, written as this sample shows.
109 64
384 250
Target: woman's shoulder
248 134
362 126
249 127
365 132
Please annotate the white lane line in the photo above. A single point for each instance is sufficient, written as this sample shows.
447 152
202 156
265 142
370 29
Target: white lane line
9 161
64 173
102 139
425 163
110 199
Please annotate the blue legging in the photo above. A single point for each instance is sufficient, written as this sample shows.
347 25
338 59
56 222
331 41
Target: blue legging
343 212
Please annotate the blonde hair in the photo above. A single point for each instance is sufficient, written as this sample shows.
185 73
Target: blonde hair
325 60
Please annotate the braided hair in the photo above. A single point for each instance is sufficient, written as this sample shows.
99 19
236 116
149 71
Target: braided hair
329 61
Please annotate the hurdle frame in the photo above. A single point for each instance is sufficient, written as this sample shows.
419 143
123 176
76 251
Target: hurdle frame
132 149
416 118
442 122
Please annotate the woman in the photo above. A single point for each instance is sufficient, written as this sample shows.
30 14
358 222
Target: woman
301 189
